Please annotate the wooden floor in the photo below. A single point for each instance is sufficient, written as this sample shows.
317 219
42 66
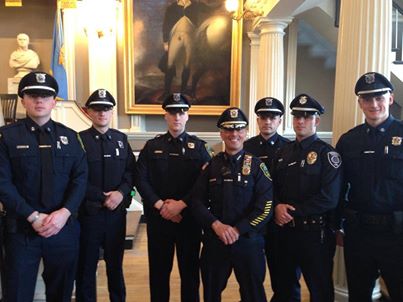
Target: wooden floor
136 275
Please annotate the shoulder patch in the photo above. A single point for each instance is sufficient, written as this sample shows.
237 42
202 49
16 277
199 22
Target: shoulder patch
334 159
80 141
265 170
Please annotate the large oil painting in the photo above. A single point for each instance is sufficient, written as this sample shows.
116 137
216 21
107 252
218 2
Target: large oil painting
187 46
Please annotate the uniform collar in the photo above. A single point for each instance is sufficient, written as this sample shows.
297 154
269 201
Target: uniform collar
32 126
181 137
305 143
98 135
382 128
234 158
271 141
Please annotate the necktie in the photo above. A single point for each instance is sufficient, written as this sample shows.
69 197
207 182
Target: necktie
45 150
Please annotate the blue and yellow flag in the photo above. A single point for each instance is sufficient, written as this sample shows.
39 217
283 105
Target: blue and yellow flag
58 65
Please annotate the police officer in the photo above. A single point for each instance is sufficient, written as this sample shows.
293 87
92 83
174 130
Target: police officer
167 168
43 173
103 211
373 159
307 181
269 113
232 200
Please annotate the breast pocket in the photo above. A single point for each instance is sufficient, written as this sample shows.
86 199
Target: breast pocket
25 161
159 163
353 164
63 162
393 163
215 192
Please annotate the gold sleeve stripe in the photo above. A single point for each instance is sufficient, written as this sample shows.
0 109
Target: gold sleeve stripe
262 216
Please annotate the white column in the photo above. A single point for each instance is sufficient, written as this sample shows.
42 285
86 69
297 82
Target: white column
364 44
270 80
254 63
291 75
101 33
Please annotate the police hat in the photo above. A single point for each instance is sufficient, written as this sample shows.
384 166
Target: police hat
372 83
38 83
176 102
269 105
304 104
100 99
232 118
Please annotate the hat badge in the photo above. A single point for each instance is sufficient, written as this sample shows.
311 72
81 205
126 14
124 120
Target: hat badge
40 77
233 113
102 93
269 102
177 97
370 78
303 99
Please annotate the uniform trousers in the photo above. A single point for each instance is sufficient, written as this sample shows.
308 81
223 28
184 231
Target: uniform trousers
311 250
245 256
24 251
106 230
368 254
272 250
163 238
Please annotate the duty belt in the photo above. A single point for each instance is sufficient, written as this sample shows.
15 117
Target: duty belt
312 221
376 222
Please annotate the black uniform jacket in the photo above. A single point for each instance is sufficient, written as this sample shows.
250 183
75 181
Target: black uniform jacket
20 168
236 190
168 168
110 166
307 175
265 149
373 167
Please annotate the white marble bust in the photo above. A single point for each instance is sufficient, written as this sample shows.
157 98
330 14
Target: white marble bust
24 60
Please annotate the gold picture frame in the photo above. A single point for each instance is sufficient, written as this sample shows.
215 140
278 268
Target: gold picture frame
131 107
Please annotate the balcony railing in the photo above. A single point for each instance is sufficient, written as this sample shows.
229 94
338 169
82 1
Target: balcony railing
397 33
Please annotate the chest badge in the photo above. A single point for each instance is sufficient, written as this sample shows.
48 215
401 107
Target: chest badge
396 140
64 140
120 143
246 166
191 145
311 157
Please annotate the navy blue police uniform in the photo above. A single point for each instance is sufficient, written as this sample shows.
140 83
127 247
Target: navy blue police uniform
110 168
237 191
373 177
307 175
21 191
265 149
167 169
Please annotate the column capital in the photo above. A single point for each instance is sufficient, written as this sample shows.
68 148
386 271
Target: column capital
254 38
267 25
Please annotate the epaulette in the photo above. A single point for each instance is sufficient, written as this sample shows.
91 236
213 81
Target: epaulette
12 125
65 127
196 138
